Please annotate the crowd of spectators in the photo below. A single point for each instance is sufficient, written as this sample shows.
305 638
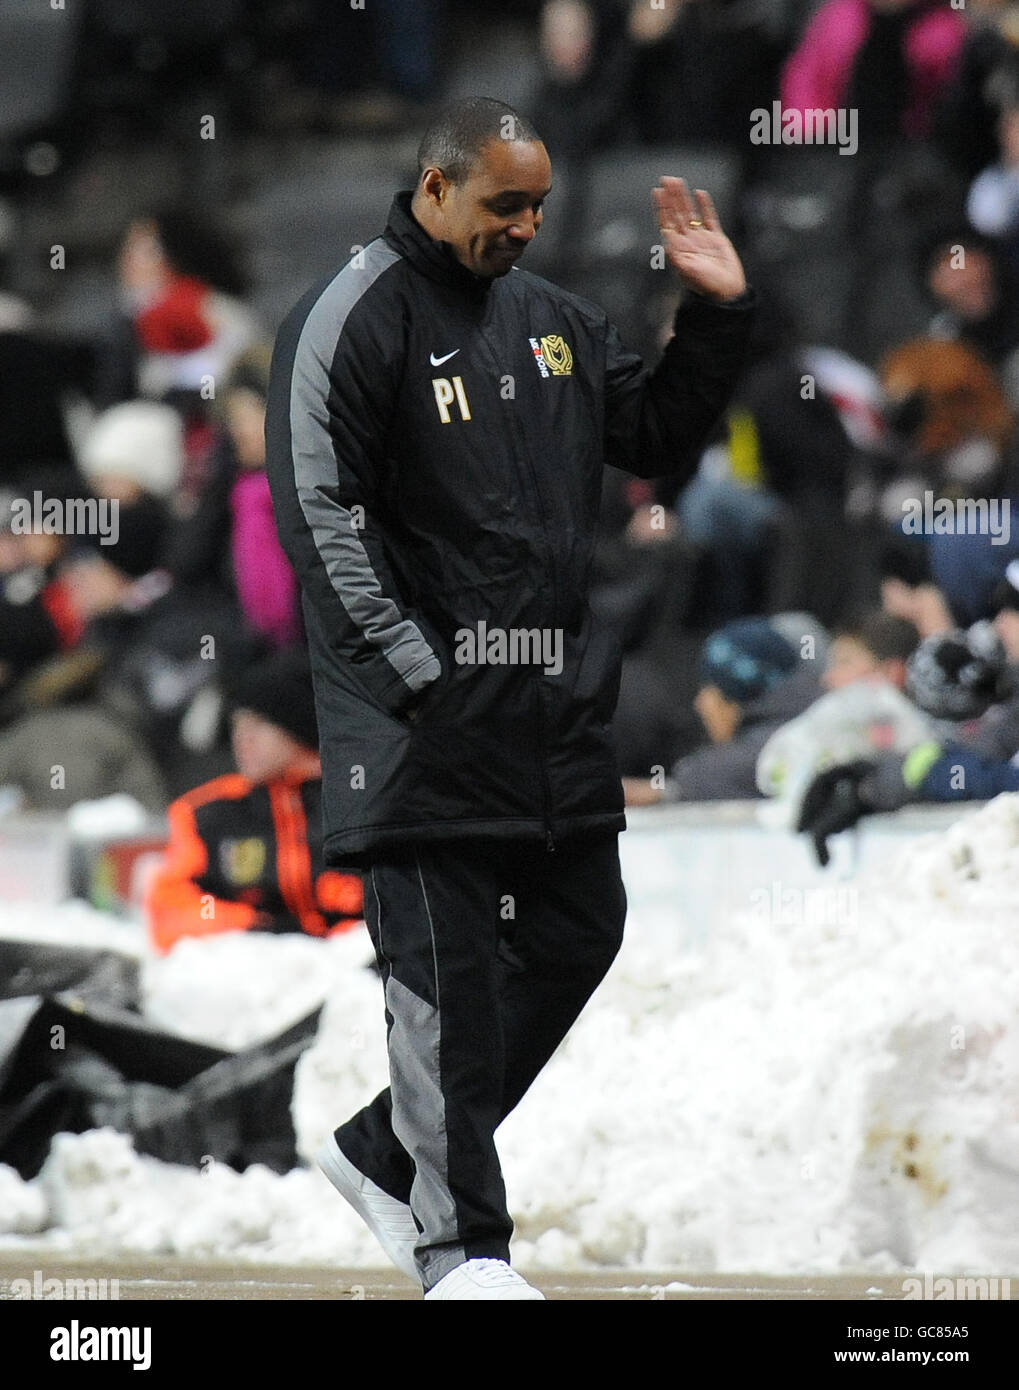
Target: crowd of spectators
806 559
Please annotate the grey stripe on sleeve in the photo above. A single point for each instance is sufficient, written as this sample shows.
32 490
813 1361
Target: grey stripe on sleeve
345 559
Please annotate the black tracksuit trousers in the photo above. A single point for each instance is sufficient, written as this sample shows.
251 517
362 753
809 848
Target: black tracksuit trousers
488 951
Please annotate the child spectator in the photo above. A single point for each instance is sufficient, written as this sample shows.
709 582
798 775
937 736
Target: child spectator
877 647
245 849
864 713
960 679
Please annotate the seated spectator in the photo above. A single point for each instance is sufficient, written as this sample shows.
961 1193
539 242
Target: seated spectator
59 745
889 59
959 679
973 289
37 615
957 443
876 648
165 639
266 585
752 681
182 319
863 714
245 851
584 65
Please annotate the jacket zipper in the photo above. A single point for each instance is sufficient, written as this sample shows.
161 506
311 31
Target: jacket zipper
536 490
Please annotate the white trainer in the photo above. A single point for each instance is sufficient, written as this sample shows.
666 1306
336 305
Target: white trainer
483 1279
389 1220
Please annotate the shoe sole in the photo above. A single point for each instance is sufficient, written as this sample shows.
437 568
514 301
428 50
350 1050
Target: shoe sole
390 1229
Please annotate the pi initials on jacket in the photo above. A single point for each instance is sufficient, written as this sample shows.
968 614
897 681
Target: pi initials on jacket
445 391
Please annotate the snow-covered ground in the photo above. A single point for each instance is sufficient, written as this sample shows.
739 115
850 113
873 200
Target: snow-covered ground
815 1085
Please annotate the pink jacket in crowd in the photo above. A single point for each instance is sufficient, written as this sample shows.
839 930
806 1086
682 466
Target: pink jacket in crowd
266 585
817 74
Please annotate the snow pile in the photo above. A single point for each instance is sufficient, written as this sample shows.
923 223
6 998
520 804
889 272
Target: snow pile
105 1198
805 1091
74 923
238 989
802 1096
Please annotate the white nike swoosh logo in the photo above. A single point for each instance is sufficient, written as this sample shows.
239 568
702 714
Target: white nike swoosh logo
438 361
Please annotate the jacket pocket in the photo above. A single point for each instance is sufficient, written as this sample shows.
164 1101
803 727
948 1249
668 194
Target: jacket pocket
424 706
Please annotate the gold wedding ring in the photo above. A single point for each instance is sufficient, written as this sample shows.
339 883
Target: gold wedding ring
696 222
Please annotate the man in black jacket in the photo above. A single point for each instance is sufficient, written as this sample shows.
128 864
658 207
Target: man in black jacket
436 429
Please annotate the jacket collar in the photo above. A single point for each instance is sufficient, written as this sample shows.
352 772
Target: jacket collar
436 259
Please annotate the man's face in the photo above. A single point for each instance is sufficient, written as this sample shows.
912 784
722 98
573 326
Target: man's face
490 217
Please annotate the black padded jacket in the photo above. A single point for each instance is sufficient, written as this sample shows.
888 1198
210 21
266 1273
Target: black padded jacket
435 446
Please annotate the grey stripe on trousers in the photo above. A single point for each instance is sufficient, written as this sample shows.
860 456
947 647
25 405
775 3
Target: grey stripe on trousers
419 1107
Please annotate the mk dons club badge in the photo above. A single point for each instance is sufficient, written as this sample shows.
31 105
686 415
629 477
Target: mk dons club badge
242 861
557 355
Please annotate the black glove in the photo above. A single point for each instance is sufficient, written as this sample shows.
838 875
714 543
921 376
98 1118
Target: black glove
834 802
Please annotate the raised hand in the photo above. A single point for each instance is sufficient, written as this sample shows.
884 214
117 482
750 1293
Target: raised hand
695 244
